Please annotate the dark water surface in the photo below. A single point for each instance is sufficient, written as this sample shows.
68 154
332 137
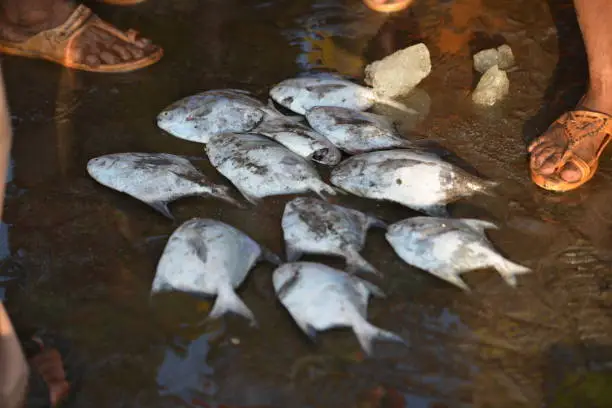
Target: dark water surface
85 256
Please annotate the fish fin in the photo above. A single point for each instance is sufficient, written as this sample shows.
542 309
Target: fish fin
289 118
436 210
509 270
375 222
395 104
293 254
269 256
452 277
309 330
381 120
369 288
251 199
479 225
228 301
324 188
488 188
193 158
223 193
356 263
162 207
367 333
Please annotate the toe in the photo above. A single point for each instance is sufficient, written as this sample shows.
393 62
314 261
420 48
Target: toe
570 173
543 155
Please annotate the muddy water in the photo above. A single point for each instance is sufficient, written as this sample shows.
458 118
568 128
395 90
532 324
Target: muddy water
85 256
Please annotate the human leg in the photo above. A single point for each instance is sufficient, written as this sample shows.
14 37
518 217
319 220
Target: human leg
565 156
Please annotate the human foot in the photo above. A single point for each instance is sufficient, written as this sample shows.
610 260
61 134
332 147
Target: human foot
82 41
387 6
566 155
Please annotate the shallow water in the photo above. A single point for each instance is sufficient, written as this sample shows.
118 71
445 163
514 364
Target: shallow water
84 256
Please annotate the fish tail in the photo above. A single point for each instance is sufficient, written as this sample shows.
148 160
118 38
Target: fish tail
322 188
356 263
367 333
488 187
395 104
228 301
509 270
223 193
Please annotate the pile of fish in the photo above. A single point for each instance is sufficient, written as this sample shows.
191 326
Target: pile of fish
264 153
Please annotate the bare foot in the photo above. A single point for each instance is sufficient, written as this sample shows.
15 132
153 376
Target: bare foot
94 46
547 151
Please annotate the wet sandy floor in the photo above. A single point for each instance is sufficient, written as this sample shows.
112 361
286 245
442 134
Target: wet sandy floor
85 256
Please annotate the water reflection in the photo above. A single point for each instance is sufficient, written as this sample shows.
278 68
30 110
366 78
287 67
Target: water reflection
184 372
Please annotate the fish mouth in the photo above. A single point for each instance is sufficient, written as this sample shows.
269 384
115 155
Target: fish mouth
326 156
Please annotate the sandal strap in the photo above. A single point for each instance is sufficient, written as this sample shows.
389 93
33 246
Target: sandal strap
579 125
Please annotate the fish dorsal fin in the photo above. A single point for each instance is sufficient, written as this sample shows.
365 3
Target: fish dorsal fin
479 225
381 121
366 288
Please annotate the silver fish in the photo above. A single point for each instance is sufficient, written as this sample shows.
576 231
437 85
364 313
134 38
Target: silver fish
303 93
300 139
208 257
314 226
354 131
260 167
155 178
198 117
448 247
319 298
414 178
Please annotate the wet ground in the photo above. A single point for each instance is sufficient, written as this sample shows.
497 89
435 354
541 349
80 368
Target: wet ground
85 256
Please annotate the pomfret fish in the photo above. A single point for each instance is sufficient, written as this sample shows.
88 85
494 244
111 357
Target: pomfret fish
198 117
314 226
300 139
448 247
411 177
208 257
260 167
320 298
155 178
354 131
303 93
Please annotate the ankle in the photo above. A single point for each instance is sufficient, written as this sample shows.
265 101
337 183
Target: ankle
599 97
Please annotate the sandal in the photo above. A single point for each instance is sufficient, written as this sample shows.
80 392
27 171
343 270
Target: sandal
122 2
577 125
46 354
388 6
55 44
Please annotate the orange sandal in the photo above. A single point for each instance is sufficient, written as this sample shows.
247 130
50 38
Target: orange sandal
388 6
123 2
55 44
577 126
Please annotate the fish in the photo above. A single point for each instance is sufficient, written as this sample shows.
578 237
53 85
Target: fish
300 139
354 131
314 226
414 178
198 117
155 179
448 247
303 93
211 258
319 298
259 167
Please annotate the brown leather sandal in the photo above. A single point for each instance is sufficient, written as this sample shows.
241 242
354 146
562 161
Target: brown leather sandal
388 6
122 2
55 44
577 126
